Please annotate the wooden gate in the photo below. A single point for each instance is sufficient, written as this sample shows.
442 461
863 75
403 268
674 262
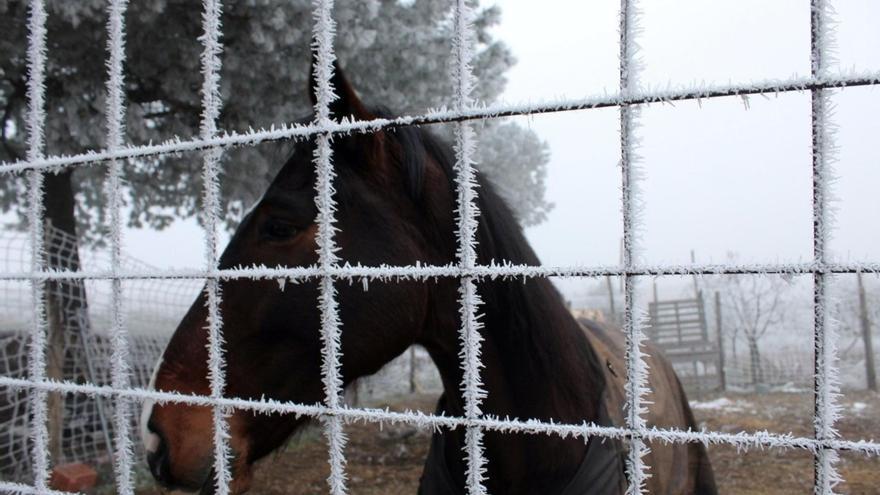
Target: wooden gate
679 328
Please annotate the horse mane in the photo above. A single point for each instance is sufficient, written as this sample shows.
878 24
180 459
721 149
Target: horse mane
529 318
533 328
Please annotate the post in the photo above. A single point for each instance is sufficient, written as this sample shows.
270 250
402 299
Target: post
696 282
654 307
611 299
621 258
870 370
721 374
412 369
55 353
355 396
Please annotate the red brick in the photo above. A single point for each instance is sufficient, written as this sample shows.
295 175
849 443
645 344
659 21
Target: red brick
73 477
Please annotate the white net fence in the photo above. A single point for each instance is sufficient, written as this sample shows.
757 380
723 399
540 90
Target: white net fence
153 309
82 353
824 444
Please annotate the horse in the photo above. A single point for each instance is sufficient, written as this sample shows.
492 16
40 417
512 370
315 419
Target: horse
395 194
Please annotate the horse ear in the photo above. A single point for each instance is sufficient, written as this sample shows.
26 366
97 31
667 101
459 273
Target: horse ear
370 145
347 102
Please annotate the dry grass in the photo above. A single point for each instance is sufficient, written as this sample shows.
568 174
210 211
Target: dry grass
789 472
389 460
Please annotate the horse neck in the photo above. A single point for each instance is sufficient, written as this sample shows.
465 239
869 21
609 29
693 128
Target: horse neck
537 362
537 365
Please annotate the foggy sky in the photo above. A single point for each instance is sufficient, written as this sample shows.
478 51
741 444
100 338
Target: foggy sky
718 177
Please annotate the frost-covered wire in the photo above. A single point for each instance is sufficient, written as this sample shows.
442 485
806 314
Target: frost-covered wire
211 103
507 271
463 45
661 94
742 440
323 32
827 381
120 372
36 119
636 368
11 488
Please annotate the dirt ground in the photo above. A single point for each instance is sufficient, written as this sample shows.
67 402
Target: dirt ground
772 471
389 460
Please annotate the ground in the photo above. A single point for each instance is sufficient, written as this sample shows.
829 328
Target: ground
389 460
773 471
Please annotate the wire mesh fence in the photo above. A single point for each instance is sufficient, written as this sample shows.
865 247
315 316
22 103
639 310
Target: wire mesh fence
81 350
824 445
153 308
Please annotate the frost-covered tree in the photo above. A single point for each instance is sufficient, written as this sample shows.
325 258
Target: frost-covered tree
514 158
396 52
753 306
857 311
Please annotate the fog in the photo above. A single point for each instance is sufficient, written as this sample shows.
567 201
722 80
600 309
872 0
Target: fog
720 176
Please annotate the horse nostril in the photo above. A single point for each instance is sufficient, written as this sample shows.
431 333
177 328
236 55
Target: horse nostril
159 462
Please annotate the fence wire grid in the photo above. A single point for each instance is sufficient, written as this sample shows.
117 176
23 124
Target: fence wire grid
333 413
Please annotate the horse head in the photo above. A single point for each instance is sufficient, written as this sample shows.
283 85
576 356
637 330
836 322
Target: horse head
394 206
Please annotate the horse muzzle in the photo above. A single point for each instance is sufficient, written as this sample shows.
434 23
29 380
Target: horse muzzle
168 474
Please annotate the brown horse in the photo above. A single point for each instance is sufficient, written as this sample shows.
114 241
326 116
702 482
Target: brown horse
396 203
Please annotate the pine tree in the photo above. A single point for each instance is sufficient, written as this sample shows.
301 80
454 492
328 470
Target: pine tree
396 52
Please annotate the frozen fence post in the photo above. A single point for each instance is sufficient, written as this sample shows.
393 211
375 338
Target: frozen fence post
469 299
120 371
636 369
827 410
211 203
324 57
36 120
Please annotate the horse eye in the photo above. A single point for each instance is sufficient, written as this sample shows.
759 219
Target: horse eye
279 229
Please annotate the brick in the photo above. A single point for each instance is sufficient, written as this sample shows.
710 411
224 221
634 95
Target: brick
73 477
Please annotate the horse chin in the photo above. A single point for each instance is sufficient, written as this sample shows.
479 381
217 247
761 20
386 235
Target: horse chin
242 476
209 486
242 462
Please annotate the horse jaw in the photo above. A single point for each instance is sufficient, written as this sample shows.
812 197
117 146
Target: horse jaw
241 473
149 439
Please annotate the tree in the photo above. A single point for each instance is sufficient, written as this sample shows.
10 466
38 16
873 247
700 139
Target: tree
755 304
397 53
857 309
